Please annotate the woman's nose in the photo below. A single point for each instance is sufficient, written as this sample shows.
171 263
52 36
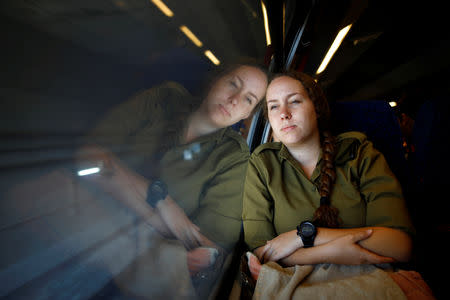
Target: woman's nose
234 99
285 114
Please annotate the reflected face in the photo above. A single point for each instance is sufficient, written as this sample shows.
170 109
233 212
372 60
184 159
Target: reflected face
234 96
291 112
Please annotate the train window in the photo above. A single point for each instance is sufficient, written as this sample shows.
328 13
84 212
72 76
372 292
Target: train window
126 129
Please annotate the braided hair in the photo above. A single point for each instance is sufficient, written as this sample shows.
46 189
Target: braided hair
325 215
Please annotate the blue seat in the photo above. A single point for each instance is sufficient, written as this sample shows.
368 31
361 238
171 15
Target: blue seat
378 121
431 162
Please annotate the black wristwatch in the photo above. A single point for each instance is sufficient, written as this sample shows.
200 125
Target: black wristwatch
307 232
156 192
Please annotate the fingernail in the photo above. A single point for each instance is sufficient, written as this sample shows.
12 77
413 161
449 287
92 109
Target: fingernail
213 255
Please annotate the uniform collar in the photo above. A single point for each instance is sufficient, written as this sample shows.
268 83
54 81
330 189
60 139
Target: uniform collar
284 154
220 134
216 136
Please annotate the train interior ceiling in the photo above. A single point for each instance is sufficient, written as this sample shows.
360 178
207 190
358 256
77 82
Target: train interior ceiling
65 63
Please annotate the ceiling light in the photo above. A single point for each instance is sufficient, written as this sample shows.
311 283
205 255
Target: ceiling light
88 171
212 57
163 8
191 36
266 24
337 42
393 103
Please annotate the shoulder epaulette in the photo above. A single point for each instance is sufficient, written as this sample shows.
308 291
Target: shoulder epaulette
361 137
348 144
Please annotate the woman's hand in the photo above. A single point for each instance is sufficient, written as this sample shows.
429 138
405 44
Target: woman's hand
280 247
254 265
178 223
201 258
347 251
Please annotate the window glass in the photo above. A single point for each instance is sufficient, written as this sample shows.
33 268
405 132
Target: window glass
100 101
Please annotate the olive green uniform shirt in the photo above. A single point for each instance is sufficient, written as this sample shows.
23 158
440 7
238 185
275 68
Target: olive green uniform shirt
209 185
205 177
141 129
278 195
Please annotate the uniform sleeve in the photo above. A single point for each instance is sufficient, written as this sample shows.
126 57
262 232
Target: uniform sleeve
257 212
382 191
220 211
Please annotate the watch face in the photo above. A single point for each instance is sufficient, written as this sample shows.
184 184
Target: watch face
307 230
159 189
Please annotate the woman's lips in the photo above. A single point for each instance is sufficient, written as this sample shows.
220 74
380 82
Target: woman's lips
224 111
288 128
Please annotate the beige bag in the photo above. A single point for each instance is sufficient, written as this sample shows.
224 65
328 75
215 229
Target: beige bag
325 281
159 273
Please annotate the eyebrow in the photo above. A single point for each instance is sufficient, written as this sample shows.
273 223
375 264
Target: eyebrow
242 83
288 96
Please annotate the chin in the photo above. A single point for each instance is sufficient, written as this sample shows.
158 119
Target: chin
290 140
218 119
219 123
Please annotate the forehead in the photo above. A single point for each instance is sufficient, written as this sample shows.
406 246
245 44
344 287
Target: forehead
283 85
253 78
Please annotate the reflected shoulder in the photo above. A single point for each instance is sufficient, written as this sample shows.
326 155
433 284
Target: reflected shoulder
175 86
238 138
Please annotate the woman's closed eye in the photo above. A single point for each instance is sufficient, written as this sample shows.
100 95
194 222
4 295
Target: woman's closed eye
234 83
296 101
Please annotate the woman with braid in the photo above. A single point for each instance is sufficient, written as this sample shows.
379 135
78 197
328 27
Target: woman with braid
312 198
